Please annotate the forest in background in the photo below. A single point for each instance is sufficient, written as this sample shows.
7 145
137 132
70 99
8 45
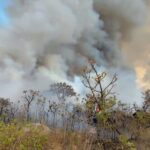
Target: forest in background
65 121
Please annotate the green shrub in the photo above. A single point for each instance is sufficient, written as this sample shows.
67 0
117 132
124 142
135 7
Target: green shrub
16 136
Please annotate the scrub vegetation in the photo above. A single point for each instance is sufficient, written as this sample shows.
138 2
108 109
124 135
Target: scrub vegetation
65 121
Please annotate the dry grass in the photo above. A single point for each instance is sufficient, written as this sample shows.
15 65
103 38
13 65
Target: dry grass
18 136
68 140
143 143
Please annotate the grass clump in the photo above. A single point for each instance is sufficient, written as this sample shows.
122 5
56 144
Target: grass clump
15 136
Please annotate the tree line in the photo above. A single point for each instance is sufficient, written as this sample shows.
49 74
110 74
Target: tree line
117 125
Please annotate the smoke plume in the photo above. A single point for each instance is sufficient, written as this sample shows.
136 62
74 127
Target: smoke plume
51 40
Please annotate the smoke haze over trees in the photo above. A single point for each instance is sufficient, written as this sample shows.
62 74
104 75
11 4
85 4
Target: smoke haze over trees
100 120
84 69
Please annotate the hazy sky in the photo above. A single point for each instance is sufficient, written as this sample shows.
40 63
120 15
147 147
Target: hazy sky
137 52
49 40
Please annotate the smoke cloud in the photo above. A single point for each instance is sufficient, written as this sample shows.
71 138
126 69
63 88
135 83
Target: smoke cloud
48 41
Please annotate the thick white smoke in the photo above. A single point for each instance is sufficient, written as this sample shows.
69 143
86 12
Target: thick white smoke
50 40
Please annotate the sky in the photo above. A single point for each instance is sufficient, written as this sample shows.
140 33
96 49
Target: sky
58 36
138 53
3 16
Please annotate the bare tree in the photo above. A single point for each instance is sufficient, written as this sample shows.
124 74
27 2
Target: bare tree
62 91
146 105
29 97
53 108
4 109
99 94
41 108
100 101
4 103
13 110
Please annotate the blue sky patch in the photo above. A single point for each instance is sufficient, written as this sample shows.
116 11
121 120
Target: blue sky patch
4 20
